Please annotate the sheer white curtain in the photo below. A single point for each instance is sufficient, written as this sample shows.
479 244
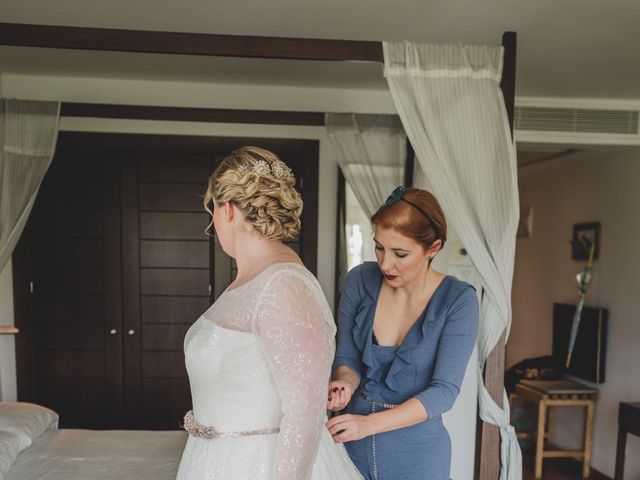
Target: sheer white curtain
449 100
29 132
371 151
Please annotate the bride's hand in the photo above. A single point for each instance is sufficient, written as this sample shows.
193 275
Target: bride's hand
339 395
346 428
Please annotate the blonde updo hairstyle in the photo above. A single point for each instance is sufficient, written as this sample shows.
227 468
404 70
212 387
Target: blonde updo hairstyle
262 187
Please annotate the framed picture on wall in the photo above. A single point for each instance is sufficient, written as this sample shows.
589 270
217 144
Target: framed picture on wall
584 235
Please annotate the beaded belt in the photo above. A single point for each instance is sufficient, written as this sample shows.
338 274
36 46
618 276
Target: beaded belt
198 430
376 404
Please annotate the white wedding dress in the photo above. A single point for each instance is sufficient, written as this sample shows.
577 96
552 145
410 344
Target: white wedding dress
259 360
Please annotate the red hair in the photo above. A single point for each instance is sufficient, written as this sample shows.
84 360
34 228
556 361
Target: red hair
415 214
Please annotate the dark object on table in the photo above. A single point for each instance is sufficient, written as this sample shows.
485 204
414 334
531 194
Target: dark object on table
590 350
537 368
524 413
628 422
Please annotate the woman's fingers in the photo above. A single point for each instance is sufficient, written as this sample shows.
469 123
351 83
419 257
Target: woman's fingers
341 437
344 395
339 395
341 428
333 399
347 427
337 423
334 404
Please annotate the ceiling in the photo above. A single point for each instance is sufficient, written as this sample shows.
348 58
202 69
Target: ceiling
190 68
586 49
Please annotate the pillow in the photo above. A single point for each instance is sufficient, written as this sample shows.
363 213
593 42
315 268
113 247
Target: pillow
9 449
26 420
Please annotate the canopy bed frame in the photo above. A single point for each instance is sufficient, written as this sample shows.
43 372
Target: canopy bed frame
44 36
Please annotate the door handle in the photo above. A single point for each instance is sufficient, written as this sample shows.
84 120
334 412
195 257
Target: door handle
113 331
131 332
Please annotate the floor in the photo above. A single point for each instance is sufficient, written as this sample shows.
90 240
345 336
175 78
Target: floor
557 469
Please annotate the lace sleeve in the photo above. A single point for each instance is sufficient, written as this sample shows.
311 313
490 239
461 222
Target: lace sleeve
291 322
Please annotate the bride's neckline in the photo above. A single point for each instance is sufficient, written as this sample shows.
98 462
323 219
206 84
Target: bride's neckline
261 272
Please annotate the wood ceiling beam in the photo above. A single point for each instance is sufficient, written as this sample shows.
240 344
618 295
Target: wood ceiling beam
189 114
140 41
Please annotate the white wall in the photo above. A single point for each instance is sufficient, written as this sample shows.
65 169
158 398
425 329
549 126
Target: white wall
465 409
591 186
461 420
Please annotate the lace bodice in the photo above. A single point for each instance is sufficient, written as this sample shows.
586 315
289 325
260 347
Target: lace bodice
260 358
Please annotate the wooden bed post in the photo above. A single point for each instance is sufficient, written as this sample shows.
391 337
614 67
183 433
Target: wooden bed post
409 165
494 368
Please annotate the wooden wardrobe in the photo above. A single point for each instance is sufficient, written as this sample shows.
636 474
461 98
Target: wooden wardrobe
114 266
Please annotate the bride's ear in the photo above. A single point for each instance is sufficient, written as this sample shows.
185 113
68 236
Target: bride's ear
229 211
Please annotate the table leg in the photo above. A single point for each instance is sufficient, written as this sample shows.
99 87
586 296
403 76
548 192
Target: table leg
620 451
588 436
542 413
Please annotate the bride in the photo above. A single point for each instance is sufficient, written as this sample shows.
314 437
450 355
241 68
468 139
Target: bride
259 358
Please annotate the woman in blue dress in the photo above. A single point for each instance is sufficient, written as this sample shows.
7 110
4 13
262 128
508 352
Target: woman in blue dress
405 336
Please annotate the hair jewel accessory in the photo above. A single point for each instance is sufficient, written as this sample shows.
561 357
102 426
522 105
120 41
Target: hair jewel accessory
395 196
277 169
280 170
261 168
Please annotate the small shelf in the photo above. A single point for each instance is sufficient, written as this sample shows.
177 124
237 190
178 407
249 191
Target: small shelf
8 330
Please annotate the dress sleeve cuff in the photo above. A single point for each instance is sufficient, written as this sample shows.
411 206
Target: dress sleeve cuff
434 402
353 364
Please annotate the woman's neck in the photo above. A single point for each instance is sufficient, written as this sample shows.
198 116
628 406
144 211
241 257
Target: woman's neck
253 253
423 285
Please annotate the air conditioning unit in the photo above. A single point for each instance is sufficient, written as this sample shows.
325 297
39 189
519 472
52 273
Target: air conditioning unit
577 126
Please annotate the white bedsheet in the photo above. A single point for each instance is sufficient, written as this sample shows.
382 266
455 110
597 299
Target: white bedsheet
69 454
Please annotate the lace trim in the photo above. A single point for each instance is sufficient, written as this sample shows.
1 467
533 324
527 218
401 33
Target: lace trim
198 430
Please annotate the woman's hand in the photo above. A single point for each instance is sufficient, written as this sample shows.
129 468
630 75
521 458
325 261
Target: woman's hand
340 393
346 428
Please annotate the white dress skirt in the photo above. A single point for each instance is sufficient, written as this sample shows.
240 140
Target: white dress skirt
259 362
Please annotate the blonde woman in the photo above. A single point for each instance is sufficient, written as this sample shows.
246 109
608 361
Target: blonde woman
259 358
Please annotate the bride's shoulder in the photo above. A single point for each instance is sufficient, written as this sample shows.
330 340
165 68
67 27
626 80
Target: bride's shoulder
293 288
289 279
287 272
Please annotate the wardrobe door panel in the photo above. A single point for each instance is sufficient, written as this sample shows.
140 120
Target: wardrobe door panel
75 271
181 310
167 262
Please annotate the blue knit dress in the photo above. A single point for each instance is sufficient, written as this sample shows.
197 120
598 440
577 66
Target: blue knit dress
429 365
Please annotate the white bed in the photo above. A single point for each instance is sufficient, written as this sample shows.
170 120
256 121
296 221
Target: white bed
33 448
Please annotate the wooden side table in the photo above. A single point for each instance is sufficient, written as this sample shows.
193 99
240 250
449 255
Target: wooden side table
628 422
559 393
